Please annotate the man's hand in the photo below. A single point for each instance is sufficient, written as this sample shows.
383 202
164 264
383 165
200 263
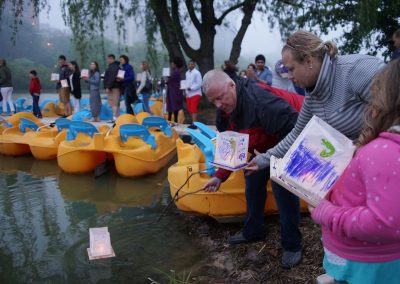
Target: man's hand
107 90
212 185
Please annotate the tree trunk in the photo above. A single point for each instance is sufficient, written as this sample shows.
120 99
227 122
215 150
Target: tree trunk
248 10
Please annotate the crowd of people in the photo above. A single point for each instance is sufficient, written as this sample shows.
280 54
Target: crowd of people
359 95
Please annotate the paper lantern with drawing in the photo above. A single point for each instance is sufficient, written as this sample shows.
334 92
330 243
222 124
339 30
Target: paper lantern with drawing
314 162
231 150
100 243
55 77
84 73
121 74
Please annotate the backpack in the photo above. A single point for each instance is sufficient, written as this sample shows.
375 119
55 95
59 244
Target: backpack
148 86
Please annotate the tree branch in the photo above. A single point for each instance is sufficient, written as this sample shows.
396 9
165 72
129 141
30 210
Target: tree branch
179 29
192 14
231 9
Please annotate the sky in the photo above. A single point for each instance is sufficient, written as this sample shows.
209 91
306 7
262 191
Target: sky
258 39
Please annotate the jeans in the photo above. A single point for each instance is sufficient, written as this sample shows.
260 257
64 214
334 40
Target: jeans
288 207
7 98
289 214
130 97
145 102
35 105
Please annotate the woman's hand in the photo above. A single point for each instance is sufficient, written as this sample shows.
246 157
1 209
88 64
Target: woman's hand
311 208
252 165
212 185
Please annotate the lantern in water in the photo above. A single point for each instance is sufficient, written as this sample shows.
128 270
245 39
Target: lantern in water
100 243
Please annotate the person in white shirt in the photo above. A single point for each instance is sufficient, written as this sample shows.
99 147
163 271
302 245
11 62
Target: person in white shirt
193 90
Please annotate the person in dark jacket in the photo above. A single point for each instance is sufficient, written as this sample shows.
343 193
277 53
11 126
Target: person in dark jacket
34 90
267 118
112 86
6 87
62 86
75 84
128 83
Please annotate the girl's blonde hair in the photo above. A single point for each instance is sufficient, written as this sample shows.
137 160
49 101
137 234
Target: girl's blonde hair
304 44
383 110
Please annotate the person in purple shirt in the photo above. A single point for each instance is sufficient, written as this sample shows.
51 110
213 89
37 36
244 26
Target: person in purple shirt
264 75
174 93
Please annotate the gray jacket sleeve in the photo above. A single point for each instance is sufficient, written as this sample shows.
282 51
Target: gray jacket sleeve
263 160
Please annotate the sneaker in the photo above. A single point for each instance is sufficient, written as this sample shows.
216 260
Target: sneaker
240 239
291 258
325 279
111 121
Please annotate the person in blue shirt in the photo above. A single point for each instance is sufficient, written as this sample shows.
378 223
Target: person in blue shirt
128 83
264 75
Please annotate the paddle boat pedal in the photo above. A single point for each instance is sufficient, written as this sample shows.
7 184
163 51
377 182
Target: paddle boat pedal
159 122
137 130
206 146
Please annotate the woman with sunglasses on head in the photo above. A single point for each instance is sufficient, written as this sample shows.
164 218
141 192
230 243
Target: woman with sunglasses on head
337 91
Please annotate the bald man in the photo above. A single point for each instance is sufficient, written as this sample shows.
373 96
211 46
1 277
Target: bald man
267 118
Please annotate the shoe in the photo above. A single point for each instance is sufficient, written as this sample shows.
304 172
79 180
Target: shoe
240 239
291 258
192 126
111 121
325 279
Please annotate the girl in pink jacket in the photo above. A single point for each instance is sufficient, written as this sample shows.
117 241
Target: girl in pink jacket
361 217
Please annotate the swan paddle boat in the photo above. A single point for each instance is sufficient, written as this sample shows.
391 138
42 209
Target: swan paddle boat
142 149
14 138
193 170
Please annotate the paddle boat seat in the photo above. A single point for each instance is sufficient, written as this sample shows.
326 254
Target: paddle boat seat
19 103
80 127
62 123
137 130
206 146
159 122
82 115
27 124
205 130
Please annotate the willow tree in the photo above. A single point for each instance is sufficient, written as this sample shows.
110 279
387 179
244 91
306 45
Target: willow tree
168 18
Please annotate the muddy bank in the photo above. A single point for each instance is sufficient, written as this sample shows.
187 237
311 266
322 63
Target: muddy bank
256 262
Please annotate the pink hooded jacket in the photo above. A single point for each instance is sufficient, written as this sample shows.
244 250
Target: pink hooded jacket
361 219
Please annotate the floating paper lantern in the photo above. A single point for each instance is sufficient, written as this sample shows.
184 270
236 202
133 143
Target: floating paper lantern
100 243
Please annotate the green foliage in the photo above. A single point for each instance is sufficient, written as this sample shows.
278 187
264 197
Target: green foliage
366 24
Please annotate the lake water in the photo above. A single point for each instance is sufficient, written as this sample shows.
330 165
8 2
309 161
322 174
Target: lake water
45 216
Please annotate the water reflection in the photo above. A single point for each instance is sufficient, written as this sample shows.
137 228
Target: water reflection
45 215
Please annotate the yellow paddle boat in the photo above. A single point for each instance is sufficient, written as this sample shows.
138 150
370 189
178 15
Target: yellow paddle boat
14 140
44 145
144 148
82 150
191 173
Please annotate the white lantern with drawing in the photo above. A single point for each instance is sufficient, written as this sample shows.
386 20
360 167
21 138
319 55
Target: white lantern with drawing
231 150
84 73
121 74
55 77
100 243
